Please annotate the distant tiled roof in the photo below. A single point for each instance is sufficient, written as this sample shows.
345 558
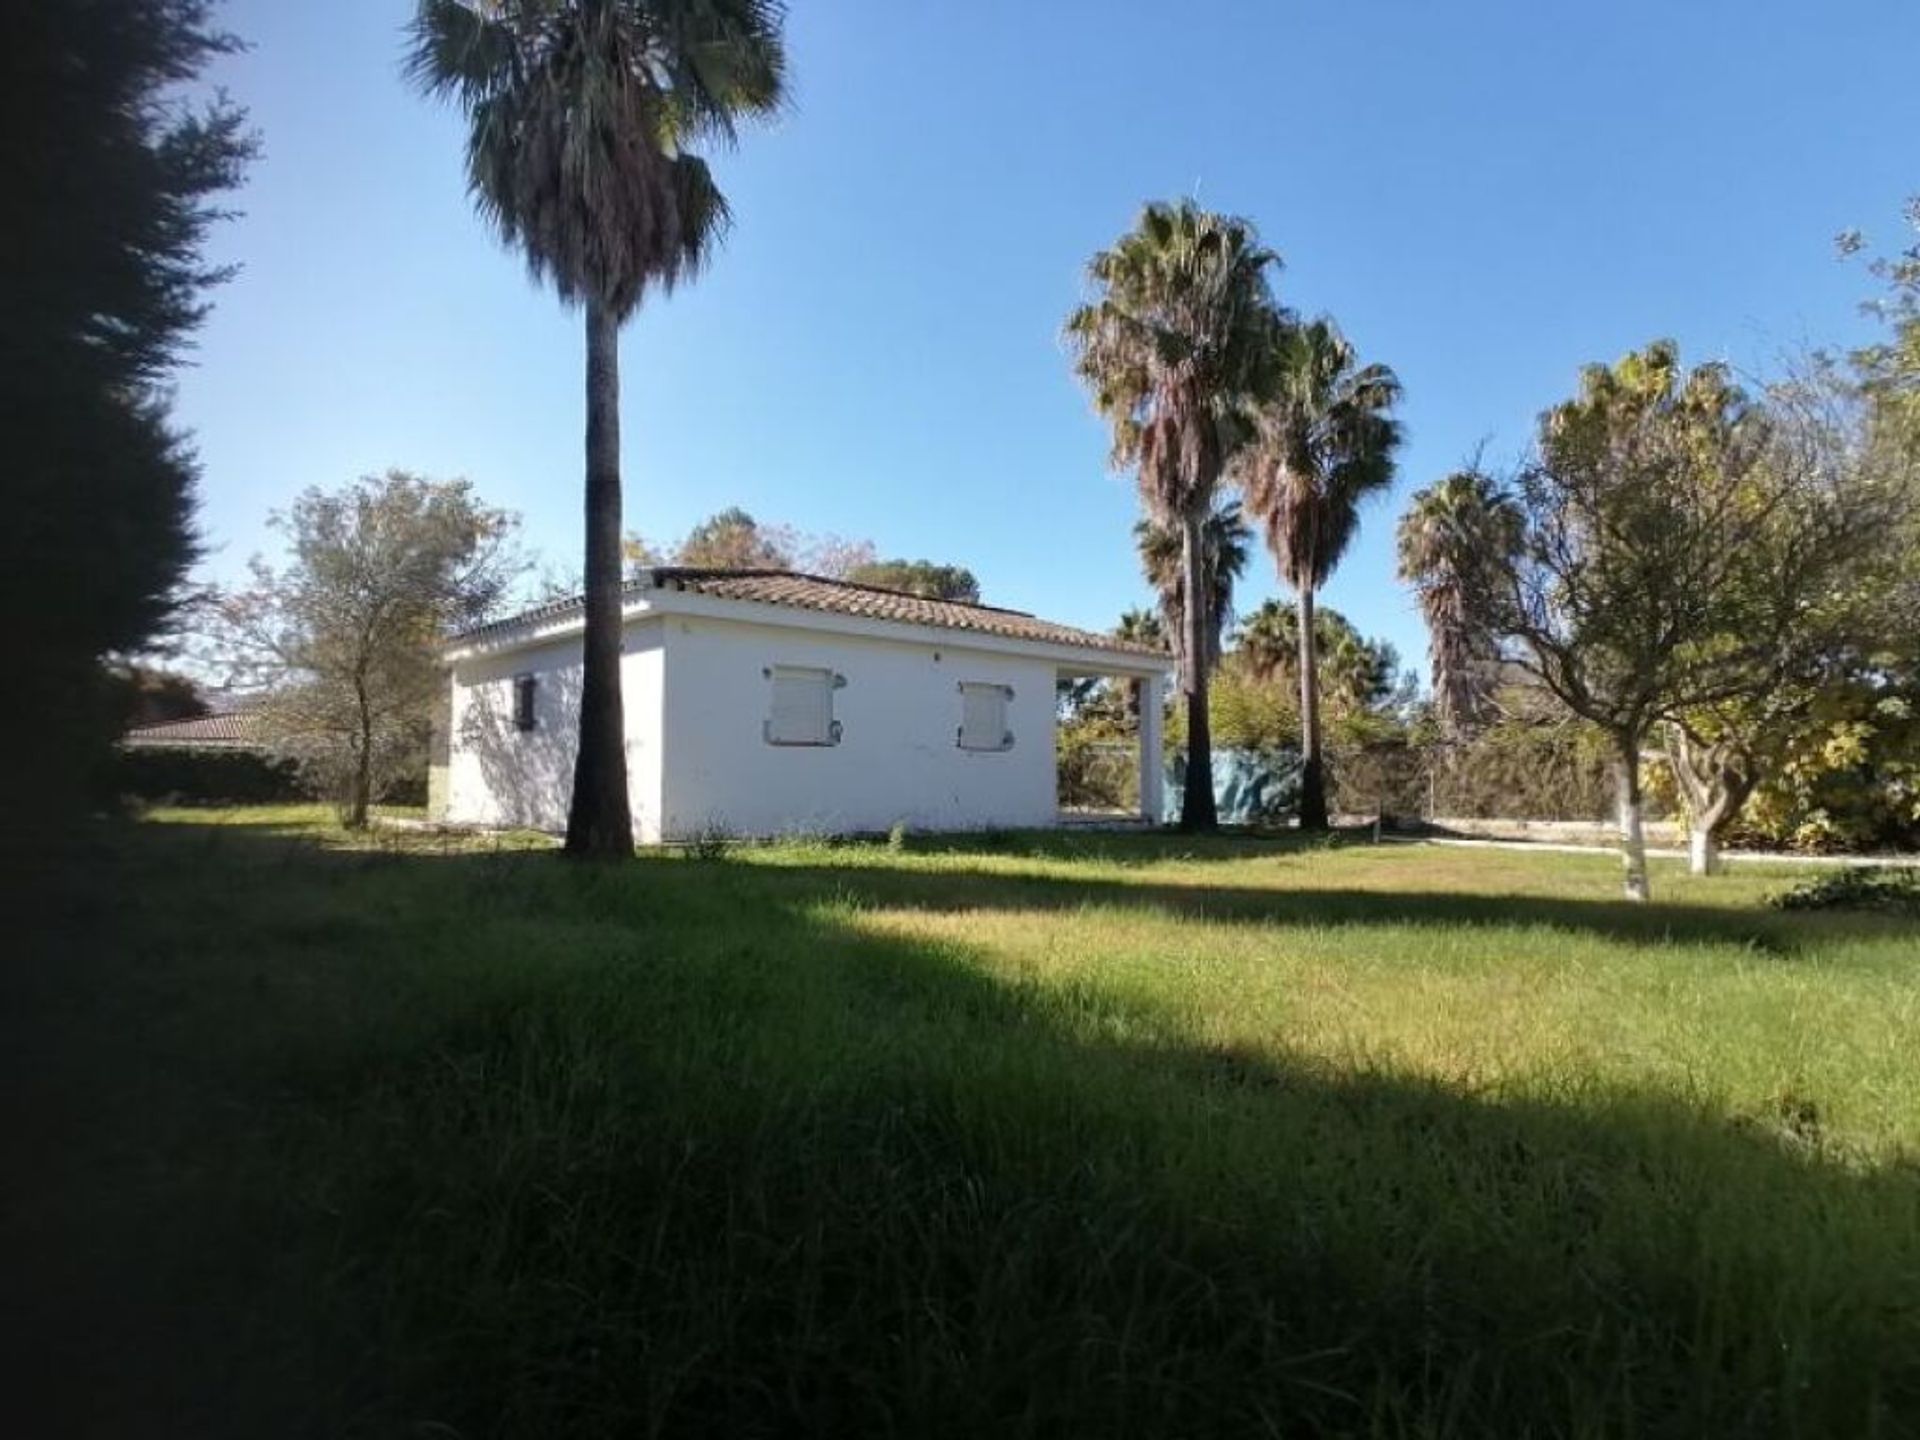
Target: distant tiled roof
207 732
842 597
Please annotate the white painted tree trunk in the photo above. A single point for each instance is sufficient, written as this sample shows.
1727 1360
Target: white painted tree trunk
1715 781
1633 834
1703 850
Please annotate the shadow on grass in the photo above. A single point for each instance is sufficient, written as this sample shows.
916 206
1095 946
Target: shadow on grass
487 1144
1138 846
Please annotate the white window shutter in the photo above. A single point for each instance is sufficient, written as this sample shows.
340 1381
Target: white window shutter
801 709
983 717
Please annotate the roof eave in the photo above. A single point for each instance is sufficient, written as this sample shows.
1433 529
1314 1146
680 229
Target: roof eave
644 600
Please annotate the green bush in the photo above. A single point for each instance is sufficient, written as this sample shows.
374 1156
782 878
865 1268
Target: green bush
204 777
1892 892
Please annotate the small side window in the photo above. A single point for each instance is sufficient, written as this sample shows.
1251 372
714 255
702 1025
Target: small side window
983 716
525 690
800 708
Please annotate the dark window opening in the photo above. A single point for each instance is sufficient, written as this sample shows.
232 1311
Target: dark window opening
524 689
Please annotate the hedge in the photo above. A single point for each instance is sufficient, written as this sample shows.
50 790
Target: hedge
204 776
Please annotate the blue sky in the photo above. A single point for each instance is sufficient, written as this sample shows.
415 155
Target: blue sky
1485 195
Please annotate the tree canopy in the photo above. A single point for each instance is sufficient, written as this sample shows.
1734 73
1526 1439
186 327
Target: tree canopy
919 577
344 640
734 540
1672 545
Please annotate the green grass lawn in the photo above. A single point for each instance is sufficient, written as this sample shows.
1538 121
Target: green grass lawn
1030 1135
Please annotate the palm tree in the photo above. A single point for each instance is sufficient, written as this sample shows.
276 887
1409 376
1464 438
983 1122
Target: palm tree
1225 544
1355 673
1326 442
1171 351
1446 532
1141 627
580 117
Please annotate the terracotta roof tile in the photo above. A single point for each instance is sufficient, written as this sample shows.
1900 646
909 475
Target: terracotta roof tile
233 729
842 597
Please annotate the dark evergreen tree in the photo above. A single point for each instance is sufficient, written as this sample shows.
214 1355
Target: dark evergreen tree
112 173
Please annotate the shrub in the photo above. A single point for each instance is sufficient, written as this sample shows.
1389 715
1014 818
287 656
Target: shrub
711 842
1891 892
204 777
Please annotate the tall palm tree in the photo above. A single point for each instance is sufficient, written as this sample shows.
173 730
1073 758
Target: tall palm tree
580 117
1171 351
1326 441
1447 531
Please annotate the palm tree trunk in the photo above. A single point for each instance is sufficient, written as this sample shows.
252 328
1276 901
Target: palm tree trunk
1197 811
1313 775
600 822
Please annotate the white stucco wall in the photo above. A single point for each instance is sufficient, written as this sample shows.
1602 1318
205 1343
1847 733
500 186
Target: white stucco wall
897 760
498 775
697 688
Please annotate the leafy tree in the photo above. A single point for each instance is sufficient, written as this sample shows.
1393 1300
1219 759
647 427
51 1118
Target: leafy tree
734 540
919 577
1441 537
112 177
582 117
1888 369
1665 549
1171 350
1836 525
345 639
1326 442
1847 775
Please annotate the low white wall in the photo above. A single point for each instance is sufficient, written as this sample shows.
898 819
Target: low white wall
1568 832
897 761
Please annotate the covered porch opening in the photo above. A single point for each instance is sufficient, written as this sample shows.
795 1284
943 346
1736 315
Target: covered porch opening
1108 743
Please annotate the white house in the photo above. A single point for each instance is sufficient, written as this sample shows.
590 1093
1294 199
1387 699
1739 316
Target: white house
764 702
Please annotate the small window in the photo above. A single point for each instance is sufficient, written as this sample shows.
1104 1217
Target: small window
800 710
983 716
525 688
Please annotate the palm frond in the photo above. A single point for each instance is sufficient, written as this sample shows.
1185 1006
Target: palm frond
580 118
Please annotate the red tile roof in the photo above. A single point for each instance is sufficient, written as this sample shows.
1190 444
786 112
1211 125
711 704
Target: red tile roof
233 730
842 597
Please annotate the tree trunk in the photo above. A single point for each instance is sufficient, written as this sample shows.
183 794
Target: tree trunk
600 823
1633 835
1313 773
1197 810
360 783
1715 781
1703 850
